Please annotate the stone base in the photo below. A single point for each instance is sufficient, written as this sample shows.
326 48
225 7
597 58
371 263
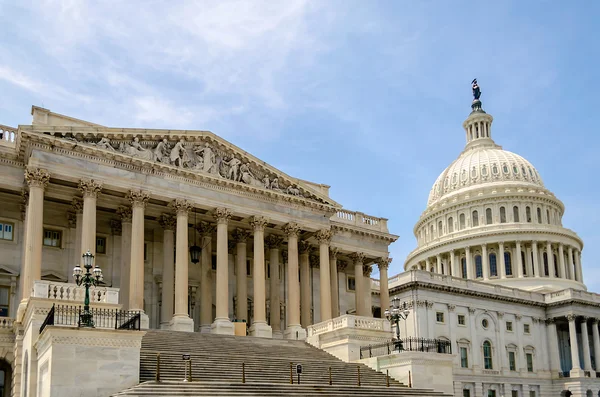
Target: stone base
577 373
261 330
222 326
181 323
294 332
144 321
205 328
166 326
277 335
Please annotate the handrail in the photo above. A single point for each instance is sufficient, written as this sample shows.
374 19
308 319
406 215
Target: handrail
411 344
69 316
49 320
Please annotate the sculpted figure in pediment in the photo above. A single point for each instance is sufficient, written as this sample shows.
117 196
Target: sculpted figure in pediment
135 149
179 156
275 185
162 152
247 177
104 143
233 172
208 159
293 190
266 182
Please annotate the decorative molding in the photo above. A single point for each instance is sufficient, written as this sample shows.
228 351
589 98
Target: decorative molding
180 206
314 261
206 229
124 213
258 223
324 236
273 241
571 317
333 253
222 215
240 236
291 229
472 310
37 177
451 307
72 220
77 205
90 187
341 265
116 227
167 221
304 247
357 257
383 263
138 198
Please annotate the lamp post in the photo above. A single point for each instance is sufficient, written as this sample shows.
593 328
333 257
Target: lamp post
396 313
87 279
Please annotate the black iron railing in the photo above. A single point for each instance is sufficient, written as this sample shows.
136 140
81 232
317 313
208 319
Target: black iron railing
564 374
407 344
70 316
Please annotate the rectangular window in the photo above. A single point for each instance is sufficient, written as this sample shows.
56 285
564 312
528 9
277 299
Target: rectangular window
4 301
351 284
52 238
213 262
514 393
491 393
145 251
461 319
509 326
100 245
526 328
529 358
512 363
466 393
531 393
248 267
439 317
464 358
6 231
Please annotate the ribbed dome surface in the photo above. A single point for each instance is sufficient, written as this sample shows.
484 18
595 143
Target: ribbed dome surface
483 165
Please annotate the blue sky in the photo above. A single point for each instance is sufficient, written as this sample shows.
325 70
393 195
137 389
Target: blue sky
368 97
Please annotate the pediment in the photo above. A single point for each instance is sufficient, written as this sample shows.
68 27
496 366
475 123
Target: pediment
53 276
7 272
194 153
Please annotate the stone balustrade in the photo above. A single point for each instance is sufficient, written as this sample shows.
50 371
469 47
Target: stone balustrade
9 136
349 321
6 322
360 219
568 294
73 293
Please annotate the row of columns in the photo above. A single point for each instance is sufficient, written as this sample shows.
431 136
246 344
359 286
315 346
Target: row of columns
567 268
577 369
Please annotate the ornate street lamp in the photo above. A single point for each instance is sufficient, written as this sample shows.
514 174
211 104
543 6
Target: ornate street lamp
88 279
396 313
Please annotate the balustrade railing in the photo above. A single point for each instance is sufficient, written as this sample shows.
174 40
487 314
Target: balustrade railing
360 219
72 292
6 322
409 344
69 316
8 135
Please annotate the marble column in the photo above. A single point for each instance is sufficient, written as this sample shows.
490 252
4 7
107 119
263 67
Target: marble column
384 293
366 289
259 327
240 236
333 279
222 324
427 265
138 200
37 179
181 320
206 230
502 261
77 205
503 357
521 362
167 222
470 274
273 242
293 329
576 370
536 259
585 341
485 262
438 259
572 275
90 189
323 236
553 346
561 261
579 272
453 264
596 341
358 258
519 261
551 264
305 296
125 213
475 347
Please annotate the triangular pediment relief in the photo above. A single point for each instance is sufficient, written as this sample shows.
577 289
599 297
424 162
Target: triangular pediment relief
53 276
7 272
199 153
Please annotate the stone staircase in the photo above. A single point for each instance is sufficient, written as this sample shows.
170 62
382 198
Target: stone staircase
217 362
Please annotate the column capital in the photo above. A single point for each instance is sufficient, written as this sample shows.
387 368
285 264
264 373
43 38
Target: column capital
518 316
240 235
314 261
367 269
571 317
471 310
501 243
124 213
451 307
333 253
341 265
77 205
468 249
518 242
222 215
284 256
304 247
273 241
291 229
167 221
357 257
258 223
37 177
595 321
324 236
138 198
550 321
534 242
116 227
90 187
584 319
206 229
384 263
500 314
72 220
180 206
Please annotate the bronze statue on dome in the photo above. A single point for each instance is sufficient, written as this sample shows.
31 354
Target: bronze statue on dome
476 90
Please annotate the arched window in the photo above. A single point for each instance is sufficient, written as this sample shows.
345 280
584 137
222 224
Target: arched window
432 269
487 355
488 216
461 220
475 219
493 267
508 263
440 229
478 266
555 266
524 263
548 216
450 225
516 214
431 232
463 265
539 215
546 272
528 213
502 215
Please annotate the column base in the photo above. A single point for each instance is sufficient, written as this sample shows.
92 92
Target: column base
222 326
144 321
261 330
181 323
277 334
294 332
576 373
166 326
205 328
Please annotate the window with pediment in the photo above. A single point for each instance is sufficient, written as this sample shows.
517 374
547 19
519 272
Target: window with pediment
475 218
484 170
487 355
450 225
528 214
493 265
461 221
508 263
488 216
474 172
495 170
478 266
502 215
539 215
516 214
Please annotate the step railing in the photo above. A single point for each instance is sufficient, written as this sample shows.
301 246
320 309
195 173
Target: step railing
409 344
70 316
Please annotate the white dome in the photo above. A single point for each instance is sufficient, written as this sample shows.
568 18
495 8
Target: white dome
483 164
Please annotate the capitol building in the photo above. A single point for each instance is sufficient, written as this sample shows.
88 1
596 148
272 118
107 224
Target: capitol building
194 235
